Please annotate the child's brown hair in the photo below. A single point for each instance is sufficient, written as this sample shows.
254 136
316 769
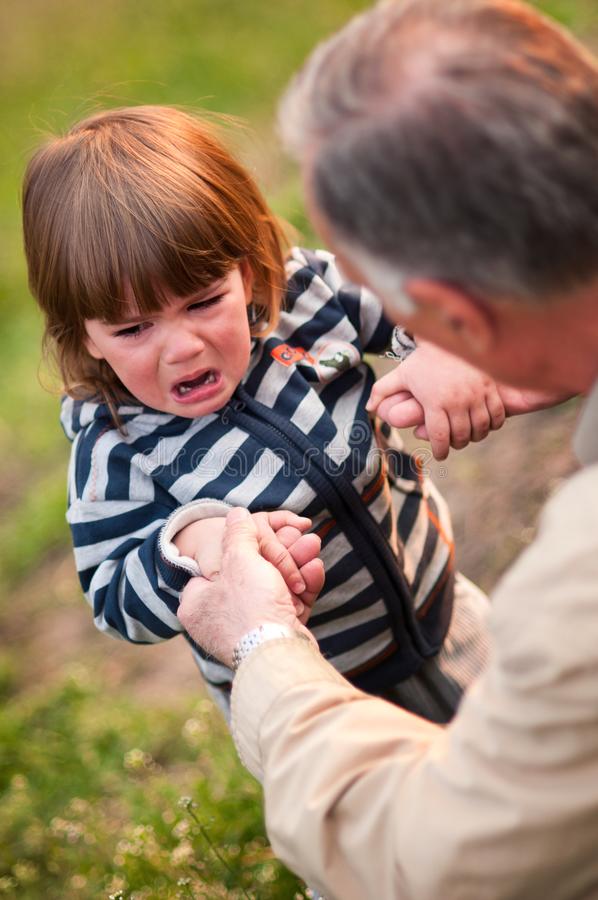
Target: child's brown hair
146 199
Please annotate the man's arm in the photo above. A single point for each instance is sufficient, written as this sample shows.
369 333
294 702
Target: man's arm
363 799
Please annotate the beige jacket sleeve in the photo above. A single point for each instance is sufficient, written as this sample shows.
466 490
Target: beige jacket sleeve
364 800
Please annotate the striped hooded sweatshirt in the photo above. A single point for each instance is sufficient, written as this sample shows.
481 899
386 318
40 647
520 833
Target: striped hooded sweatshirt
295 435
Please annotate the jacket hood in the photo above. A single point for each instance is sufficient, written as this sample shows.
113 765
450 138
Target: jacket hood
76 415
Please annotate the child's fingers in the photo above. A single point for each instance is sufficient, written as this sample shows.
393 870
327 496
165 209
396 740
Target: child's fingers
460 425
276 553
299 608
480 423
496 408
209 560
313 575
401 410
439 432
279 518
306 548
294 554
391 383
288 535
305 553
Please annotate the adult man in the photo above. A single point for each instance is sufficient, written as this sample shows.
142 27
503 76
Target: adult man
450 151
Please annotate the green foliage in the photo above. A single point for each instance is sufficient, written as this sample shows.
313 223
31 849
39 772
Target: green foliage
36 525
91 788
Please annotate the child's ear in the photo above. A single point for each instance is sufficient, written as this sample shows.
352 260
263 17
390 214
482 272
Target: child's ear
92 349
248 279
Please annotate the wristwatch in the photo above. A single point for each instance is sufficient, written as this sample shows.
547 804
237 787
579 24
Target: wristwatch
268 631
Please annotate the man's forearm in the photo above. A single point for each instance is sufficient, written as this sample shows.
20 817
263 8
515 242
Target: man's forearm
334 761
365 800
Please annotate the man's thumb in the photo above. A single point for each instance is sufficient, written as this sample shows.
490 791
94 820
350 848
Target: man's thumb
241 531
193 599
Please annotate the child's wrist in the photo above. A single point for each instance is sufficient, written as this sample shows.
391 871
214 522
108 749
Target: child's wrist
193 536
169 542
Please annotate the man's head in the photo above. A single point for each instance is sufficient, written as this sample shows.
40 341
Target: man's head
455 143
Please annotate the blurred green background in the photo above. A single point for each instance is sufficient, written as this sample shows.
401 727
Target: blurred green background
100 740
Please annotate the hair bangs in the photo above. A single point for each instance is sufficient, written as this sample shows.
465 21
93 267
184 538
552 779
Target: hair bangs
141 233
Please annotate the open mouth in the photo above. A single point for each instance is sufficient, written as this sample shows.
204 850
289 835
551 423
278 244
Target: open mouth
185 388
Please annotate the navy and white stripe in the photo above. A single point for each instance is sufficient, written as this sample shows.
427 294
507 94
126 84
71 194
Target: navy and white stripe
291 436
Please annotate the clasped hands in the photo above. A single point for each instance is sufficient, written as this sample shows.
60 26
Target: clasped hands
265 567
449 402
260 568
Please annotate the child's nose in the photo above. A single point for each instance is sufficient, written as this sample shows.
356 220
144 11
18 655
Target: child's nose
181 344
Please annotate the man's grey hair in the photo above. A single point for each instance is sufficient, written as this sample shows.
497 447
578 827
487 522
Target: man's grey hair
457 140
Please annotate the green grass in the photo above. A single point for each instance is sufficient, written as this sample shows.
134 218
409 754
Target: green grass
90 779
100 797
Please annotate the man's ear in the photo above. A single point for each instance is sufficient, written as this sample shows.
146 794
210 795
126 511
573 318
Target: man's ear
450 317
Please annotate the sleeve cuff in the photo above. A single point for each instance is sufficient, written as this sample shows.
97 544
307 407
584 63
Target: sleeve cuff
402 343
262 678
180 518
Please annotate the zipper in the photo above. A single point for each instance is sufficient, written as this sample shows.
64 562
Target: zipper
345 504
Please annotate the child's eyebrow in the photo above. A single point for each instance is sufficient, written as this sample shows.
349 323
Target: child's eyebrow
194 296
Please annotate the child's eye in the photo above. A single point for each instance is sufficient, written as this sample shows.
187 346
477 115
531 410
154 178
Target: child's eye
132 330
204 304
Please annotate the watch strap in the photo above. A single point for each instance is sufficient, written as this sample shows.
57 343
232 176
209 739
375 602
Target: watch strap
267 631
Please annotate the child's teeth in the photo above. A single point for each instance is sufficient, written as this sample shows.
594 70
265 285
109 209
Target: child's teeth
209 378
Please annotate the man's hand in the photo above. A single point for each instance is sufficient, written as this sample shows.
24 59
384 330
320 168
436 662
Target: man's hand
248 592
519 401
277 531
452 402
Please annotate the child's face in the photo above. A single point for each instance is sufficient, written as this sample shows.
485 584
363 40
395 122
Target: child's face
188 358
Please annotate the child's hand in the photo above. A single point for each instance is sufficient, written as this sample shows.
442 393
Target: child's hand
305 550
295 554
277 532
452 402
